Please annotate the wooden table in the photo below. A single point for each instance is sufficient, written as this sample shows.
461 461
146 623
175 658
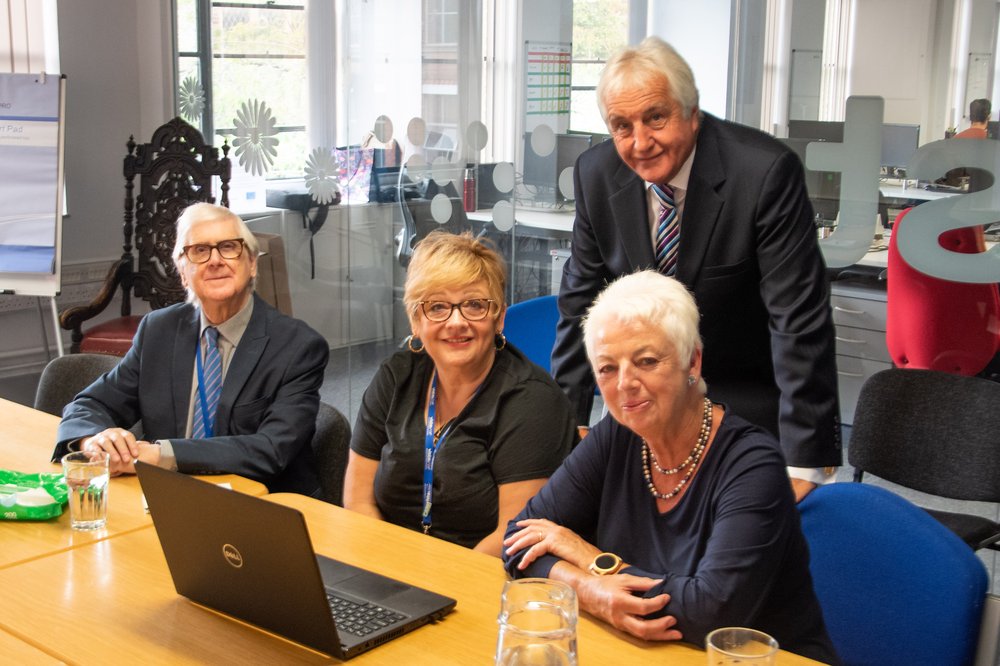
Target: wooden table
27 438
109 599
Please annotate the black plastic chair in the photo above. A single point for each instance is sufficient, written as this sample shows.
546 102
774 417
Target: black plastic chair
936 433
65 376
330 446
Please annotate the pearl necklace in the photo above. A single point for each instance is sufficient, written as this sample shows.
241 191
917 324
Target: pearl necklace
691 462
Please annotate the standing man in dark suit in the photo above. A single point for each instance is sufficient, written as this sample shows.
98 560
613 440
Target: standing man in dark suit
727 207
222 384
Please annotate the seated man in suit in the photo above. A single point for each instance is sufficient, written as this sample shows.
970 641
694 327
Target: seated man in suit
226 354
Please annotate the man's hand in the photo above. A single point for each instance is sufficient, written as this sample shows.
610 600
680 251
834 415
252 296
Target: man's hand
122 448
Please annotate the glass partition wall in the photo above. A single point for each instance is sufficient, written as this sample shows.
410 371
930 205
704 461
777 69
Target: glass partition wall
358 127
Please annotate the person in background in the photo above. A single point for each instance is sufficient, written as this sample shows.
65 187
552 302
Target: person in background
975 179
724 209
979 116
672 517
459 429
222 384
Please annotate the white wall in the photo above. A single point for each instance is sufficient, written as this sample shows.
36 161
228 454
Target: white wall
109 96
707 52
117 60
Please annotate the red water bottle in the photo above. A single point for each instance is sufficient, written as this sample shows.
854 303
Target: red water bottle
469 198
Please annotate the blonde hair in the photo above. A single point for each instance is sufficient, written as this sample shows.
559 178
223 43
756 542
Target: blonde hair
638 66
443 260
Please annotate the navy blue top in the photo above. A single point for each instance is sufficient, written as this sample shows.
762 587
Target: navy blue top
730 553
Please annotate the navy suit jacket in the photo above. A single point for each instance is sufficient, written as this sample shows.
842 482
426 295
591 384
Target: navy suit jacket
749 253
266 414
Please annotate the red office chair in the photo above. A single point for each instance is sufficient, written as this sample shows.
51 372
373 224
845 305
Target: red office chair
936 324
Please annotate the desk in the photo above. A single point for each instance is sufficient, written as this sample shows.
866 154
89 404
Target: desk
27 438
915 193
556 223
535 233
115 599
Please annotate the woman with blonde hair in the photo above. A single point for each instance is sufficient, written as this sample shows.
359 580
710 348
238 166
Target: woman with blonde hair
458 430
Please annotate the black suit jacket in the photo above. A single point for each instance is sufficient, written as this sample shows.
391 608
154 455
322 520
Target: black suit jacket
266 414
749 253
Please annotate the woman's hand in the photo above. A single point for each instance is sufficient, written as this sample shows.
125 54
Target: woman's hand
611 599
540 536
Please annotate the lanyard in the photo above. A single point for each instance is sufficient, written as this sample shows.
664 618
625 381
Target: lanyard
430 451
201 391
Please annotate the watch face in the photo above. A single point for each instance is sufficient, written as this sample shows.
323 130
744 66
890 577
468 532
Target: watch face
604 561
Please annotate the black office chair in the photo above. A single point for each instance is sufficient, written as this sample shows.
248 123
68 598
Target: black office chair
330 446
65 376
936 433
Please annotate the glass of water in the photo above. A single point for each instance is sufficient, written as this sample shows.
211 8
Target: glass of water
737 645
537 624
87 476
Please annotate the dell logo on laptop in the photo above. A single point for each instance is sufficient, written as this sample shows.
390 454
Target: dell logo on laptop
232 555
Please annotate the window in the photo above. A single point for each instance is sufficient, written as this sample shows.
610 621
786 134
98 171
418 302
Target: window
600 27
241 78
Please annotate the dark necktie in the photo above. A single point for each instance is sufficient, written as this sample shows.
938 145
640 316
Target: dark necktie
211 378
668 231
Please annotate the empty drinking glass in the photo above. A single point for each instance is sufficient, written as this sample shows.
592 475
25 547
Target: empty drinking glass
537 624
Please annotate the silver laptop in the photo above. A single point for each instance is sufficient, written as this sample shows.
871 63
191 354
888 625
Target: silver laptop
252 559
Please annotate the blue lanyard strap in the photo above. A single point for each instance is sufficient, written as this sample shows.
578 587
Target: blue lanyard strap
431 447
208 425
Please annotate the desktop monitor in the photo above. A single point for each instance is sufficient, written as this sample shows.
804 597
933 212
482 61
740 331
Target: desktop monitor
899 142
542 171
816 130
823 186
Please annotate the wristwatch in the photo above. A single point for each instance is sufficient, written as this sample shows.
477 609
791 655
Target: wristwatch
605 564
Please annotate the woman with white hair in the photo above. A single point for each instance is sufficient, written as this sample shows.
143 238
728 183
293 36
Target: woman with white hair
673 517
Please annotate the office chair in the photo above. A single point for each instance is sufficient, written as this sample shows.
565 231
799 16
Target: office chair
936 433
330 447
65 376
936 324
175 169
894 585
531 327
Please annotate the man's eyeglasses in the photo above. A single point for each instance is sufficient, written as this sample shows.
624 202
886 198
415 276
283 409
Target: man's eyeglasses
473 309
199 253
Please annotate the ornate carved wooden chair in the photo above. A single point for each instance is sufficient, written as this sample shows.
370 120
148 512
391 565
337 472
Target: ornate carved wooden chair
175 169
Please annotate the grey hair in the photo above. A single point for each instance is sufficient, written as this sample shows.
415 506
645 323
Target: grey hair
200 213
650 298
637 66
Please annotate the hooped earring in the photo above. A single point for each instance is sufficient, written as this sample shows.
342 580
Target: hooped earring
499 341
691 380
409 344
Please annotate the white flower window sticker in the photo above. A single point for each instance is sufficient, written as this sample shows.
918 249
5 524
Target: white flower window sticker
191 98
320 176
255 140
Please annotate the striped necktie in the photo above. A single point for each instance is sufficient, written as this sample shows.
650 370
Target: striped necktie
210 378
668 231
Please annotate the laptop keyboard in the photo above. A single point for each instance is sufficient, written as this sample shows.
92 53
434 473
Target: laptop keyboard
362 618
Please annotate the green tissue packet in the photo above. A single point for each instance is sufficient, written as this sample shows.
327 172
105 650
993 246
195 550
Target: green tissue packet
31 496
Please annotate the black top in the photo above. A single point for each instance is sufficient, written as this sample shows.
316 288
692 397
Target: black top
730 553
518 427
